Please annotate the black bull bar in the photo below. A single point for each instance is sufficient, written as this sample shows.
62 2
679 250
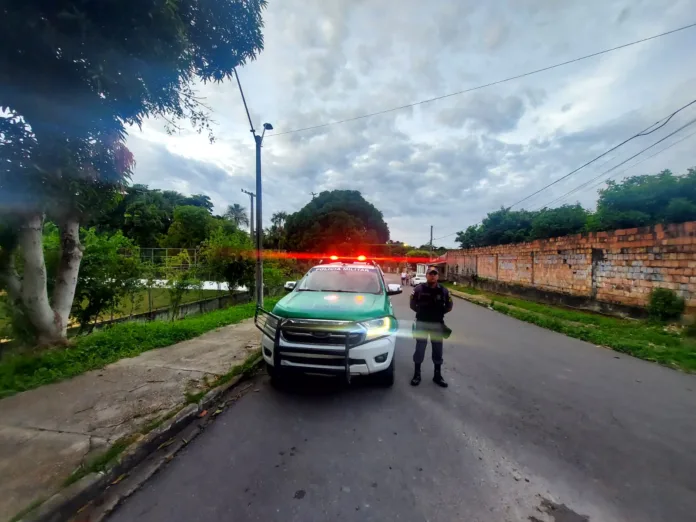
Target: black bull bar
271 326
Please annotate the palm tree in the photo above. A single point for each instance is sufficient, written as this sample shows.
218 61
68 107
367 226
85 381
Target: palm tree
278 219
237 214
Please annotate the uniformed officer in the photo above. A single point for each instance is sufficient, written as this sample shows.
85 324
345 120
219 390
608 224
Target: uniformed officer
431 301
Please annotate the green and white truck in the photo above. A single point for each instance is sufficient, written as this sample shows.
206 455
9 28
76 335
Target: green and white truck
337 320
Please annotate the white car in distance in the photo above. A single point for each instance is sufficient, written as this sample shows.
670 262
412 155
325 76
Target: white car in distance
418 279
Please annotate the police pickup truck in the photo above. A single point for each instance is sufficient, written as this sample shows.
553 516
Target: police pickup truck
338 320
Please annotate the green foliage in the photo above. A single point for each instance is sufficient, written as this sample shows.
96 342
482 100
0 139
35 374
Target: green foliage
229 257
418 254
557 222
110 272
635 202
190 227
665 305
116 45
182 277
339 221
23 372
275 274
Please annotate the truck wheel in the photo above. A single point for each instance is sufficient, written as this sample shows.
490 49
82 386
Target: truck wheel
386 377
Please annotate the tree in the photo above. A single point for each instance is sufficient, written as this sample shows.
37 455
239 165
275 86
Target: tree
230 258
200 200
237 214
182 277
556 222
417 255
110 272
275 236
68 93
645 200
189 229
340 221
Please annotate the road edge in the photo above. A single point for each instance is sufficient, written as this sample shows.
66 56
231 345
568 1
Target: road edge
71 500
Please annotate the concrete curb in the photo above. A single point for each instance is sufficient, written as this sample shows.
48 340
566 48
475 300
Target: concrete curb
481 301
66 504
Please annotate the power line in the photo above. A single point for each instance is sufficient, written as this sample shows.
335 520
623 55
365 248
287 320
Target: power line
644 132
627 168
497 82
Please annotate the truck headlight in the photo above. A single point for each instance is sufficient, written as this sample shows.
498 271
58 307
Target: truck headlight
381 327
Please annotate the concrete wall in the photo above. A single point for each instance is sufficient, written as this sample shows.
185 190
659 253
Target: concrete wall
618 268
188 309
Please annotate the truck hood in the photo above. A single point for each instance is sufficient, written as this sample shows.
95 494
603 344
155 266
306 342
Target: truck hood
336 306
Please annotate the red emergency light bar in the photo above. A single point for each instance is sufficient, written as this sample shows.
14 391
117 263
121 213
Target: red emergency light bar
348 258
316 256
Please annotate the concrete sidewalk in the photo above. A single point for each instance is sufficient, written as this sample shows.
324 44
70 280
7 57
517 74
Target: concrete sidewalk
46 433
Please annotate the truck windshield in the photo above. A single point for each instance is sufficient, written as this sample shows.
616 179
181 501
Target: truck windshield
341 279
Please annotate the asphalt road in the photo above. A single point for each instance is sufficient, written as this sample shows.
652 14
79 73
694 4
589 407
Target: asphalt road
534 427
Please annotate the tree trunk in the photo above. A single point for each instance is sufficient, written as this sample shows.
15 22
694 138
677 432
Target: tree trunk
34 292
66 277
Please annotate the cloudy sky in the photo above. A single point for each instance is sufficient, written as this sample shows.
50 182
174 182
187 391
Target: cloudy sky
448 162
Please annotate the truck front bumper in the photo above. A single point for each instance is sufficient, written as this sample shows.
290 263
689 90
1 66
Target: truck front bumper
364 359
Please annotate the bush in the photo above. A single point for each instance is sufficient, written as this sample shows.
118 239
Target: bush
665 305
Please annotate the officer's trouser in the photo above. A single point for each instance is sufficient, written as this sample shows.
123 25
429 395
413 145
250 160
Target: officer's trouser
422 331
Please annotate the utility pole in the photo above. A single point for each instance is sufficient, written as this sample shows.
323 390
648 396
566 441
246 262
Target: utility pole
431 242
258 140
251 216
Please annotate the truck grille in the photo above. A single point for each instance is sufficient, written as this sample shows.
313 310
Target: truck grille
326 333
321 337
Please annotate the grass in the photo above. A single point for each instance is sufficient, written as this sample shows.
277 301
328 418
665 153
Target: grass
31 507
645 340
101 462
20 372
246 368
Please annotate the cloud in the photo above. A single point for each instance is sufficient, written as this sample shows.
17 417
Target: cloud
445 163
485 111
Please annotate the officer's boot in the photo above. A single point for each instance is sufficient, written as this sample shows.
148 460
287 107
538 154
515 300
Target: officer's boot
416 375
437 378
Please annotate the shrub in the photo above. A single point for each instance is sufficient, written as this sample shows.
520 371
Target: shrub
665 305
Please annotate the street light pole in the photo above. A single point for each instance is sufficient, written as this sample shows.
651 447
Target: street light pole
258 140
259 225
252 216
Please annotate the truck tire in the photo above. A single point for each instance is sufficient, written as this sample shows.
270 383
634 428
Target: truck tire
385 378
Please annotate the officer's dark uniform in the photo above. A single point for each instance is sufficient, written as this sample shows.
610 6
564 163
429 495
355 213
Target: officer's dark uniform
430 304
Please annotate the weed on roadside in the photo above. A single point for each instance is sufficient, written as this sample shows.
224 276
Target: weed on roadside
31 507
101 462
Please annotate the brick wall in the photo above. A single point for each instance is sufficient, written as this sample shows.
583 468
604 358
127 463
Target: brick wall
619 267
